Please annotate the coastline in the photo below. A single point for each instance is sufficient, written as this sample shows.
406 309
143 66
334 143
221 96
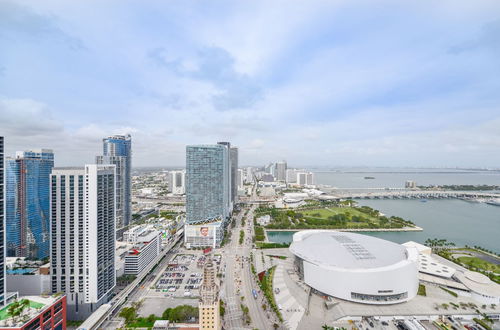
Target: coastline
405 229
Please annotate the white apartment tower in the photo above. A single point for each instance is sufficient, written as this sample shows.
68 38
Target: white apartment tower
305 178
280 173
241 177
177 182
82 206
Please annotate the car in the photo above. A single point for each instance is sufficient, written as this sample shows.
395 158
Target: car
385 323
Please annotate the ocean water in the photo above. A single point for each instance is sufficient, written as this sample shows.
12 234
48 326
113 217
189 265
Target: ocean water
396 178
464 223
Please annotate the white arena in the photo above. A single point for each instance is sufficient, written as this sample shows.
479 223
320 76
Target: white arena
356 267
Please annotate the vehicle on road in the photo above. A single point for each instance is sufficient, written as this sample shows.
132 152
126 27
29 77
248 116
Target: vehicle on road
254 293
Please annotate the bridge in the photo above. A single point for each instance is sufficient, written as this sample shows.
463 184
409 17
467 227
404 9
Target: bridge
414 194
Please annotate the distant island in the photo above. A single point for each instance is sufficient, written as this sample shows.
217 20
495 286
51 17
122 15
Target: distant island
461 187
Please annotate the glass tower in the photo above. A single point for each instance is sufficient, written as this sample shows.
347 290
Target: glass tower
27 203
207 183
117 150
2 232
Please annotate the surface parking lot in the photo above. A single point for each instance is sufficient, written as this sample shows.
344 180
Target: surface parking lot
178 283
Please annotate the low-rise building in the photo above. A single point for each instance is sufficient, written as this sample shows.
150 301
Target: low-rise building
146 248
38 313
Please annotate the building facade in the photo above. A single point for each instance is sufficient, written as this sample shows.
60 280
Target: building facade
45 313
233 157
82 209
207 183
305 178
208 308
177 182
228 176
146 248
2 224
280 172
117 150
27 203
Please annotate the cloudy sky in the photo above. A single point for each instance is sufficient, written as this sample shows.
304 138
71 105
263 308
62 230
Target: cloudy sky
398 83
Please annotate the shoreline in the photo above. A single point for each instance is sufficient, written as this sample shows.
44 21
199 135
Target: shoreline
405 229
402 230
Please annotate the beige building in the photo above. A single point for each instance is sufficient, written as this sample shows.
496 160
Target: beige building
209 315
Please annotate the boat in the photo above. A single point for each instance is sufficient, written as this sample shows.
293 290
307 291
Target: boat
369 177
494 202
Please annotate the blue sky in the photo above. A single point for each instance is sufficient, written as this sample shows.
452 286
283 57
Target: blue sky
386 83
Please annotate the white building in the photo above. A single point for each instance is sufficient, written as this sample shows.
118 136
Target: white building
240 179
177 182
249 175
291 175
410 184
83 236
147 246
305 178
356 267
280 173
203 235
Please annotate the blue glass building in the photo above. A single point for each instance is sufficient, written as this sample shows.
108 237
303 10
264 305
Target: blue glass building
117 150
2 221
27 203
207 183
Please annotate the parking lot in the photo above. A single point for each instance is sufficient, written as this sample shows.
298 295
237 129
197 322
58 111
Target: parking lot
177 284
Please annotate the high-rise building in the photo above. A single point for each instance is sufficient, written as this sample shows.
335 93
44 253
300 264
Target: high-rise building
228 176
117 150
207 194
177 182
280 172
27 203
2 223
249 178
241 177
82 206
291 175
233 157
207 186
305 178
208 308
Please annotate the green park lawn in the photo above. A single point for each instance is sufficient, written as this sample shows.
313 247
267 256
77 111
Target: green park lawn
479 263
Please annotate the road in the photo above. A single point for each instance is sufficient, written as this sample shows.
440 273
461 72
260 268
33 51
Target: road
239 280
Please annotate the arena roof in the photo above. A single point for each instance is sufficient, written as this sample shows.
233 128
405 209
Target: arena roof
347 250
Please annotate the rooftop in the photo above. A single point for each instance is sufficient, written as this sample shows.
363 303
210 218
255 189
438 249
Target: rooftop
346 250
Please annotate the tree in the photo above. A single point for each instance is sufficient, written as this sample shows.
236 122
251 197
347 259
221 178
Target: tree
129 314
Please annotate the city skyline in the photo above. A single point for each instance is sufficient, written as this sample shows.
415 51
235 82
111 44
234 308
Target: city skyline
327 84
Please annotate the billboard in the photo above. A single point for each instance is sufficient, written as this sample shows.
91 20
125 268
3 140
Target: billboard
201 231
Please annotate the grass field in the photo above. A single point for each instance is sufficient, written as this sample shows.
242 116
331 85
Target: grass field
324 213
479 263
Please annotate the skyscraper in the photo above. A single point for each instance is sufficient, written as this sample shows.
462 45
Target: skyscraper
177 182
2 224
27 203
228 175
117 150
207 187
82 206
233 157
280 173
